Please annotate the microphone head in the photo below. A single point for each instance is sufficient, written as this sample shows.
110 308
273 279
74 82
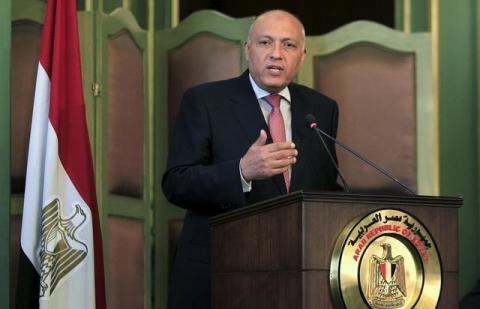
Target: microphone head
310 121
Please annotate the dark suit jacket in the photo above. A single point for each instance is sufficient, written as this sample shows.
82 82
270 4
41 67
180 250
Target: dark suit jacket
216 125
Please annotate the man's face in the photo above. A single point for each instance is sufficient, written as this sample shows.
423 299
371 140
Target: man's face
275 50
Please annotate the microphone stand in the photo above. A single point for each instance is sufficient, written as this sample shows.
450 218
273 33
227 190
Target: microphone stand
345 185
313 125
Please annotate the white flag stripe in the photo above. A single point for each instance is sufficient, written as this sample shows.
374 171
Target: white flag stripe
35 168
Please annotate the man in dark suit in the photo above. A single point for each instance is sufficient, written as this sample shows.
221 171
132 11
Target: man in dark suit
235 144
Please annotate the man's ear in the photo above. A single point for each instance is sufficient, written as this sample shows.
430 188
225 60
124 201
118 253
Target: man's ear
246 47
304 54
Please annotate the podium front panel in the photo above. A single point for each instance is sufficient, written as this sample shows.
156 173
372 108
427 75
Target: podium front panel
277 254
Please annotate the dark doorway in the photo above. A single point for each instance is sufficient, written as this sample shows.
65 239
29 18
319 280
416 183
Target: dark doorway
319 16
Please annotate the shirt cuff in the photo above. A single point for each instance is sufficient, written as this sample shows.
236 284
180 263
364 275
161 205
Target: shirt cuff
246 186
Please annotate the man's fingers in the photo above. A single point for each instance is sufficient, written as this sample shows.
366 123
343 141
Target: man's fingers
272 164
282 163
276 171
283 154
279 146
262 138
262 161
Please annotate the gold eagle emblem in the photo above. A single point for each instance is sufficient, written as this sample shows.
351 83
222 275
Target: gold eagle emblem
60 250
386 284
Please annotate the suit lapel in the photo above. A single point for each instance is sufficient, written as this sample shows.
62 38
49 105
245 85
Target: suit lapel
249 114
247 110
299 109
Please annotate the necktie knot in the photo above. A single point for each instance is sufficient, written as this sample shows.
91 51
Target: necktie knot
273 100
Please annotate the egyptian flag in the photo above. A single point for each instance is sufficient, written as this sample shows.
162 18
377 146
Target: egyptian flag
61 258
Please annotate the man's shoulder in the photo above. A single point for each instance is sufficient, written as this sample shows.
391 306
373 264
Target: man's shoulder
310 94
220 86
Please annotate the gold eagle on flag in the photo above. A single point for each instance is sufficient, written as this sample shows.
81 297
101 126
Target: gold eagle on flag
60 250
386 284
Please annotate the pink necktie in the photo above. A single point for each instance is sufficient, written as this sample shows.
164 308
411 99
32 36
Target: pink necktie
277 126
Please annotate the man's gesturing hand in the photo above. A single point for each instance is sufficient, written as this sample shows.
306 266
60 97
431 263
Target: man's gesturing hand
263 161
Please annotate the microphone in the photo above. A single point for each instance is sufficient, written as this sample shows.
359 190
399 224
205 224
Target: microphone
312 124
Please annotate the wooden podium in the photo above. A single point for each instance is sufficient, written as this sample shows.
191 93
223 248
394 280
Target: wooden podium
276 254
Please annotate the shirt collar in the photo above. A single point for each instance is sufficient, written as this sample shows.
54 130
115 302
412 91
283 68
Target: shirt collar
260 93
